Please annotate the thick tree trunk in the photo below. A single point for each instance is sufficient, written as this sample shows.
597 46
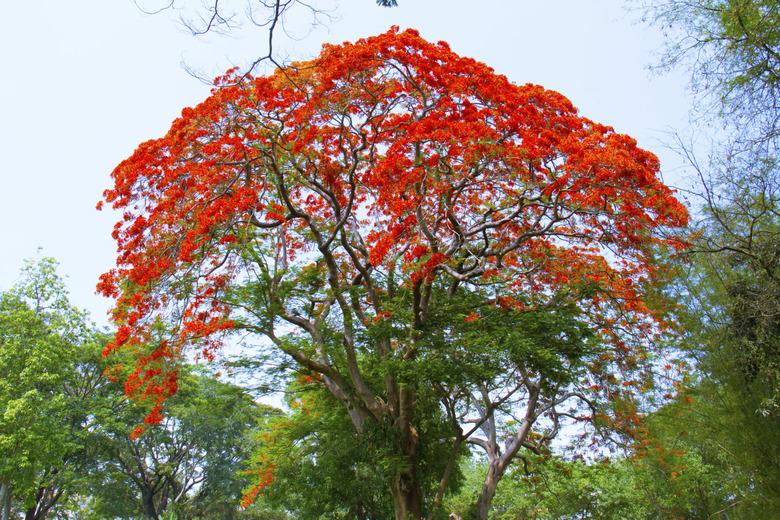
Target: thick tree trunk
5 501
488 491
35 512
407 496
406 488
149 509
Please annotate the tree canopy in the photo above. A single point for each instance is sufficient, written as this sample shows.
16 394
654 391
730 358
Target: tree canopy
65 423
338 206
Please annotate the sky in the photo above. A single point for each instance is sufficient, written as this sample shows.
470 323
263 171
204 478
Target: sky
83 83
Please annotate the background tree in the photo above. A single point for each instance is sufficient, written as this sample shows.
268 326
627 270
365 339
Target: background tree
550 487
732 329
188 464
46 390
730 292
65 425
333 208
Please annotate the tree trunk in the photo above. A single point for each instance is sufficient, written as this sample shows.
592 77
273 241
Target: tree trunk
406 488
488 491
33 512
5 501
30 513
407 496
149 509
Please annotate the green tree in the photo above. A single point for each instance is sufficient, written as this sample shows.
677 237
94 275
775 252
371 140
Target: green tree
732 289
733 331
45 390
680 471
189 464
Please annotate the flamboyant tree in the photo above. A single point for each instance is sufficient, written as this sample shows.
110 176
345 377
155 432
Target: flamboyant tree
366 211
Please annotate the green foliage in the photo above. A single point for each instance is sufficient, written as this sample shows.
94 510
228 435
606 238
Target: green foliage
459 350
187 465
558 489
65 427
731 296
652 488
320 466
732 48
33 365
735 413
46 389
731 292
740 282
313 463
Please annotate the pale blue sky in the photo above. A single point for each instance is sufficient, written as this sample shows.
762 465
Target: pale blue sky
84 82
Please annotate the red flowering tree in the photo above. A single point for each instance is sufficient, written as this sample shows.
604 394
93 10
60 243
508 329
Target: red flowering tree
337 208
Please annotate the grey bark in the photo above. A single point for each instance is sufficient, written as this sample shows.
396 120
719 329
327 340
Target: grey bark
5 501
